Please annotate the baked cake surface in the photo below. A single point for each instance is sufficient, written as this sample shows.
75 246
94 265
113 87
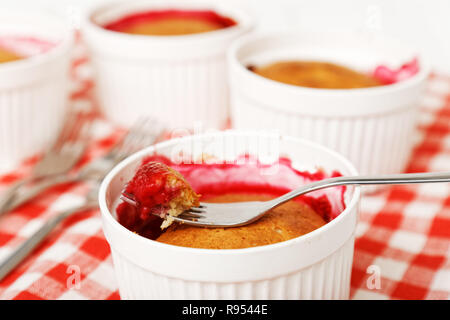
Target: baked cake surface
170 22
313 74
173 26
285 222
7 56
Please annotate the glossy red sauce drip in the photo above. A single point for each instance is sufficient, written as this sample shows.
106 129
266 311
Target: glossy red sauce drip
129 216
154 15
215 179
387 75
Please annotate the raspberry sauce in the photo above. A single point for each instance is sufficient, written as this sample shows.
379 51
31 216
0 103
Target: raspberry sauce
387 75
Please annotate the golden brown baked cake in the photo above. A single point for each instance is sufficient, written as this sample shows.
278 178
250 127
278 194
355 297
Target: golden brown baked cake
7 56
170 22
288 221
173 26
313 74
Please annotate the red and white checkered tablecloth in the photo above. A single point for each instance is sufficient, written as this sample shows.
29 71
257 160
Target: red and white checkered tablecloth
403 235
404 231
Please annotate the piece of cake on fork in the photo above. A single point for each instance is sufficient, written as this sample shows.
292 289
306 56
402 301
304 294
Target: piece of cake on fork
158 190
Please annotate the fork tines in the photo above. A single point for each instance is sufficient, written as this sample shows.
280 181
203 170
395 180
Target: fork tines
194 213
142 134
76 126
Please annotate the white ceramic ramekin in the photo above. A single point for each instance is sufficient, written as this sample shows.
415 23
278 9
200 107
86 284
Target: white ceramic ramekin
313 266
179 80
372 127
33 91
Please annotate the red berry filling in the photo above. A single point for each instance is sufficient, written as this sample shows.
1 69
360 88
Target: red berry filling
387 75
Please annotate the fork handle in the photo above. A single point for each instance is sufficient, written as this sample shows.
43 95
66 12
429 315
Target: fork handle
32 242
405 178
18 199
8 195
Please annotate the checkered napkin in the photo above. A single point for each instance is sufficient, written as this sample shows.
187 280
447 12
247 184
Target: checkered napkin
403 237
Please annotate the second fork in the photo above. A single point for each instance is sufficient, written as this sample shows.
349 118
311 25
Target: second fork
144 133
59 158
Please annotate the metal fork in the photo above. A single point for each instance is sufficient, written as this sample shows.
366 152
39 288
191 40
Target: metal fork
137 137
142 134
242 213
19 254
60 158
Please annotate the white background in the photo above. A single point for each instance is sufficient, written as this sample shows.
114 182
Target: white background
425 24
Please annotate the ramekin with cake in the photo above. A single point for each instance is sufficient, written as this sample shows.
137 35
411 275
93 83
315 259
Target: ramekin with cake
34 78
165 59
357 93
300 250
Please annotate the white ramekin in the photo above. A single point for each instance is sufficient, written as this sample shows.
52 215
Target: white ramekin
179 80
33 91
313 266
372 127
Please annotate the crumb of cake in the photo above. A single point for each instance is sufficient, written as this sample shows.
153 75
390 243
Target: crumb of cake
168 221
